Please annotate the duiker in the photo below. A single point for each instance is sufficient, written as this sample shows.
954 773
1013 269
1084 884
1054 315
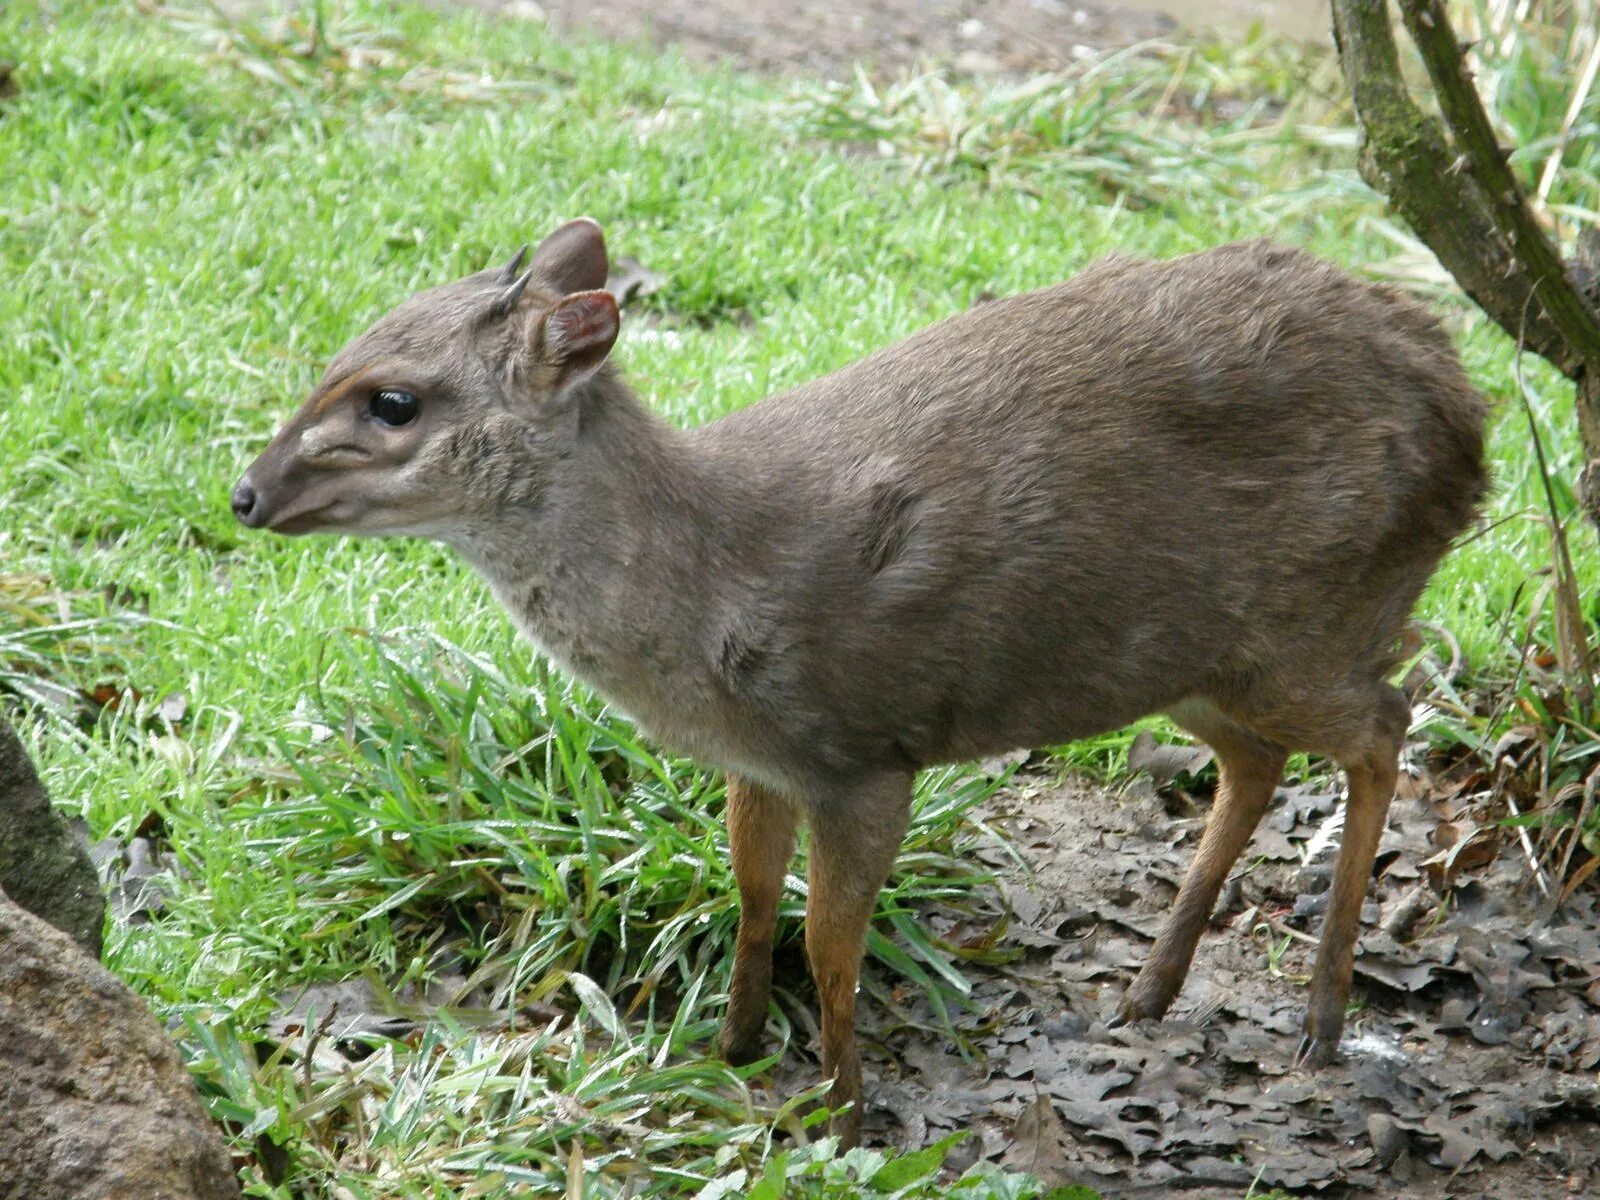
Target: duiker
1211 487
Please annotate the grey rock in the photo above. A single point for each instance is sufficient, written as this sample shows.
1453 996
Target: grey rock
42 866
95 1102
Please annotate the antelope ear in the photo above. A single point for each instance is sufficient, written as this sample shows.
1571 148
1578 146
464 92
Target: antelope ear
572 259
575 336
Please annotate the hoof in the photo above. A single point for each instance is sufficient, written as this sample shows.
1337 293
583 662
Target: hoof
1322 1028
846 1126
1136 1006
1316 1050
741 1052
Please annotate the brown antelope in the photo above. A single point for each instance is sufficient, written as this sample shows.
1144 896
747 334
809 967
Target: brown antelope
1211 487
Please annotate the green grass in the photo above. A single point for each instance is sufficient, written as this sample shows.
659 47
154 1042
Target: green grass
367 776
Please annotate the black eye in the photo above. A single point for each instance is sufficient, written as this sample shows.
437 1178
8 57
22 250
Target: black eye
393 406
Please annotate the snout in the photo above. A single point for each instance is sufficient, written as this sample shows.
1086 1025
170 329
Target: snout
270 505
247 506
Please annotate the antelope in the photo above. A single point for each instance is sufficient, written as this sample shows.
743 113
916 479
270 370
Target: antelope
1211 487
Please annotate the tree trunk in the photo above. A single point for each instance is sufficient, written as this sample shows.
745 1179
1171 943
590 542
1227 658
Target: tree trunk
1589 417
1453 186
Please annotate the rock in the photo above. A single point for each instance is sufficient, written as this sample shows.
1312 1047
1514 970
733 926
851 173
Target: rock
42 866
95 1103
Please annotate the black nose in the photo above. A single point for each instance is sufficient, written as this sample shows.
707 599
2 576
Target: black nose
244 503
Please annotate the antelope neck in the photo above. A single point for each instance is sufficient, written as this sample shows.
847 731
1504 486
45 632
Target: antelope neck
606 573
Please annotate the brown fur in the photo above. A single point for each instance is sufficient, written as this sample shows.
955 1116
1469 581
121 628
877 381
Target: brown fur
1212 487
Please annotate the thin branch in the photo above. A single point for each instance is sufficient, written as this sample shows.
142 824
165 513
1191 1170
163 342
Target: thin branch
1445 60
1405 155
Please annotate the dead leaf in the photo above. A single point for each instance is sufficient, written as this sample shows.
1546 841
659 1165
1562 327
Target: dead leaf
1577 878
1166 761
137 875
1004 764
360 1012
1040 1144
1464 846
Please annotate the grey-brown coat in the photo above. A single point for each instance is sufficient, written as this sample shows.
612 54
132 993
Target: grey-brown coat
1211 487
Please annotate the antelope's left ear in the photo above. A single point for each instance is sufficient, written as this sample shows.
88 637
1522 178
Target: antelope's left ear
572 259
575 336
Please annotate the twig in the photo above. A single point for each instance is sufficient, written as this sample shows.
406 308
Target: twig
1445 675
1580 96
1277 928
1172 88
1408 911
317 1034
1527 847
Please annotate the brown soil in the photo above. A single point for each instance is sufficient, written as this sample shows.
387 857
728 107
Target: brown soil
829 37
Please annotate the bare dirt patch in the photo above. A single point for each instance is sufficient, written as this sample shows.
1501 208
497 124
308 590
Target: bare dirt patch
829 37
1470 1069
